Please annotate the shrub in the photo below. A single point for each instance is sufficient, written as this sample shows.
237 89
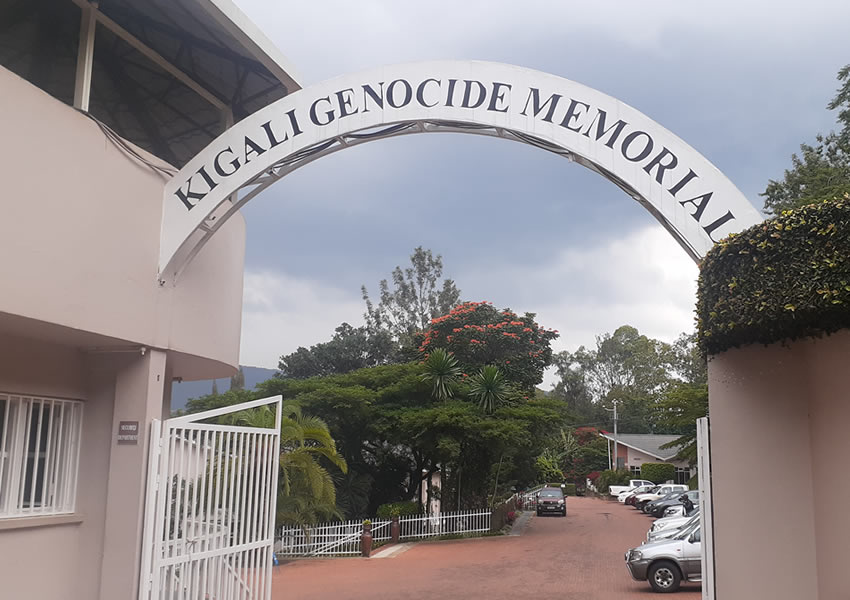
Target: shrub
657 472
612 477
569 489
785 279
511 516
391 509
693 483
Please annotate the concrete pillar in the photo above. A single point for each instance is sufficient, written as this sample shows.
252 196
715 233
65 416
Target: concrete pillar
139 387
761 463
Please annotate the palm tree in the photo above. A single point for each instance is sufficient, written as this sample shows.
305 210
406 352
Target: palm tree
442 371
488 388
307 493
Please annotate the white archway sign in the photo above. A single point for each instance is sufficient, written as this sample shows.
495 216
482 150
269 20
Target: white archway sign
691 198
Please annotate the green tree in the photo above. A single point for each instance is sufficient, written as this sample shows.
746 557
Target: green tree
682 405
625 367
488 388
479 334
350 349
237 382
417 297
821 171
442 372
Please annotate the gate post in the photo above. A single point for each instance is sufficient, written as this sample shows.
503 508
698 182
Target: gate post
366 539
394 529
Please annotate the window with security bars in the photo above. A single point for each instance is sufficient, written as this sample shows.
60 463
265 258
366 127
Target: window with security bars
635 470
683 474
39 454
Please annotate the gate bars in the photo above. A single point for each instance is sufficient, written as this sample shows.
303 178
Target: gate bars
210 505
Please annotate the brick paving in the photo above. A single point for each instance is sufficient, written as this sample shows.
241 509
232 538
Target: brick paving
578 557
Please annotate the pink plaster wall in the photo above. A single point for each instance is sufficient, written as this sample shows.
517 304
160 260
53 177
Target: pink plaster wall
80 234
778 435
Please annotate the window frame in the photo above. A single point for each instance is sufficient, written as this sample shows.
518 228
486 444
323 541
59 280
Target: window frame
40 439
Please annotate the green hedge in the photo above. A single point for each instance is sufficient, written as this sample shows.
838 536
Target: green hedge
693 483
385 511
569 489
658 472
611 477
785 279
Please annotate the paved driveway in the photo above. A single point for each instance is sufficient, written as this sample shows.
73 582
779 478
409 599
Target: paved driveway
580 557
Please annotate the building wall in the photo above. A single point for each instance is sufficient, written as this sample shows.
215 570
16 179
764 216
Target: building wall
80 235
787 536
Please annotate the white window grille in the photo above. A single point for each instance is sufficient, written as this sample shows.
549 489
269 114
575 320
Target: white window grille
39 455
683 474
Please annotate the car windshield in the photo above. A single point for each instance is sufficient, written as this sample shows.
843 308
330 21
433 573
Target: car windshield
551 494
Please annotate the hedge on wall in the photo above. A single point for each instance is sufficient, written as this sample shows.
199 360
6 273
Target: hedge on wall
658 472
785 279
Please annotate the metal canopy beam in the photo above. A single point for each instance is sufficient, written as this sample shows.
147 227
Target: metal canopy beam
152 54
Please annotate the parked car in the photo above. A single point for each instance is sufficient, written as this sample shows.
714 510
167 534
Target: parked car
631 498
648 507
663 490
688 498
638 490
616 490
666 563
551 500
670 528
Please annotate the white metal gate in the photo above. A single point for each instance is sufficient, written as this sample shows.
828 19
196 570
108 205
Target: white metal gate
705 506
210 505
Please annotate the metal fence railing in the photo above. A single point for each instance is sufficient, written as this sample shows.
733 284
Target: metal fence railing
424 526
342 538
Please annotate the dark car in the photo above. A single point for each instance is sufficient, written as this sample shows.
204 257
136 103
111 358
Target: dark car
657 508
551 501
649 506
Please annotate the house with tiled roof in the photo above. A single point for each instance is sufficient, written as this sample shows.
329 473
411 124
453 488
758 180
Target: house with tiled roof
634 449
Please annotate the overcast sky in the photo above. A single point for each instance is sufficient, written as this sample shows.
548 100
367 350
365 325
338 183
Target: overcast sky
742 82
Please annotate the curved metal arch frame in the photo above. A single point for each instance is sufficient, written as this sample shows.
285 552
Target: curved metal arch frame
190 232
296 160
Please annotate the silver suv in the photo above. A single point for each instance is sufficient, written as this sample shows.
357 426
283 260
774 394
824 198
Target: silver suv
666 563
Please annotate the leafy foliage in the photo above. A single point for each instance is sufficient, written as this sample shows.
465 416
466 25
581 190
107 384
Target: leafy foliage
478 334
681 406
625 367
416 299
487 388
785 279
442 372
397 509
611 477
569 489
350 349
821 172
658 472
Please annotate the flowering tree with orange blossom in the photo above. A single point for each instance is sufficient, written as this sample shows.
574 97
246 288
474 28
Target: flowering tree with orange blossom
479 334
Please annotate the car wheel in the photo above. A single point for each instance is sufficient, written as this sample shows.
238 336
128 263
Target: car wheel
664 577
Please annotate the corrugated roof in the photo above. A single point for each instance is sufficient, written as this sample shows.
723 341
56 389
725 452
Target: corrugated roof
210 44
648 442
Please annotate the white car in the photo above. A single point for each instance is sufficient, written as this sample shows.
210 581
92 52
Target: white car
664 528
668 488
643 489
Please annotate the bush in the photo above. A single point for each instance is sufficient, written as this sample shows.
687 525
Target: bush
693 483
658 472
391 509
569 489
785 279
612 477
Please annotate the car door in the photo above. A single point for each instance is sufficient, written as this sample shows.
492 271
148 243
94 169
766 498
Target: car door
692 556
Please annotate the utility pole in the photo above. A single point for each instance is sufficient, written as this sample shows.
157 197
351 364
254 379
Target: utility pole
615 436
614 410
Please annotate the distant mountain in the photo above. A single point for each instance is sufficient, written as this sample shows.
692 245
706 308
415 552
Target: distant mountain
182 391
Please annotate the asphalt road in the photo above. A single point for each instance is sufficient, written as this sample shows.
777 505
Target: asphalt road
578 557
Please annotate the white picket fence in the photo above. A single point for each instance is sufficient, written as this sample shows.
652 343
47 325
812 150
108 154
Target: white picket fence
342 538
